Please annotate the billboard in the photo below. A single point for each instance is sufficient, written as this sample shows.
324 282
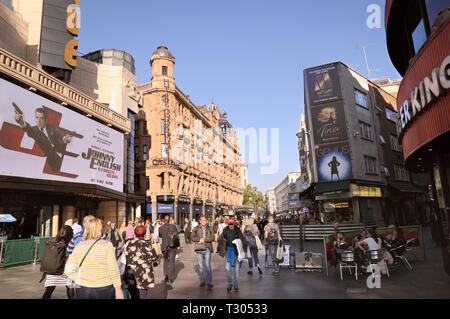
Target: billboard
333 162
329 123
44 140
324 84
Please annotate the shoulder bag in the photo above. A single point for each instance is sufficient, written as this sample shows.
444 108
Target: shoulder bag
75 277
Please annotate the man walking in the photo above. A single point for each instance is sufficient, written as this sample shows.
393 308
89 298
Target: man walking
227 248
115 238
272 235
187 231
169 246
203 236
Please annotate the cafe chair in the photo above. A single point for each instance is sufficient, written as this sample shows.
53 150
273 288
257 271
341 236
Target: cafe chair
408 251
374 257
347 260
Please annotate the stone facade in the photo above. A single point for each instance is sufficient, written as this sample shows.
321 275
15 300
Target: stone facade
194 153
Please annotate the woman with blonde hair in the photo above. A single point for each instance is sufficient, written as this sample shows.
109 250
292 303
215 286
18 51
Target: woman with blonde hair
250 231
93 267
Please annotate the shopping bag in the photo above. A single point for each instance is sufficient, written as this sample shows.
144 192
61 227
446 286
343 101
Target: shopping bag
240 248
258 243
279 256
122 263
157 248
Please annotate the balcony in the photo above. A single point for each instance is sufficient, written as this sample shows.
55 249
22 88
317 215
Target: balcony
31 76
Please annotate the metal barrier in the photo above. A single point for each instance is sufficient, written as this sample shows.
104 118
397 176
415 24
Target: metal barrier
317 232
2 244
22 251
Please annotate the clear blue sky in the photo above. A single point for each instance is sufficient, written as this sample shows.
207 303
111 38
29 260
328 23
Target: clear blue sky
247 55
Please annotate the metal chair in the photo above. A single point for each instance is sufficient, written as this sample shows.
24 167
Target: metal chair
347 260
408 250
374 257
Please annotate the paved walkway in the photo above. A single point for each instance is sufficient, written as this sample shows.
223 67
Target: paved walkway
427 280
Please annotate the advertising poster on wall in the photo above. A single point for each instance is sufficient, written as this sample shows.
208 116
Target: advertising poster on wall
41 139
334 162
329 123
324 84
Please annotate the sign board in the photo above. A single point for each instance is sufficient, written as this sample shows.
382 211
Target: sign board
334 162
70 148
324 84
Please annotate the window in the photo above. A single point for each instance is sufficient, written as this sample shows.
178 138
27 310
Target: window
391 115
161 176
145 128
137 185
366 130
147 182
370 165
145 153
136 152
361 99
382 141
394 143
385 170
164 70
163 150
163 126
401 174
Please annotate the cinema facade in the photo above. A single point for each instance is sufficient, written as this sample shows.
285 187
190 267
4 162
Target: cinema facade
47 179
418 34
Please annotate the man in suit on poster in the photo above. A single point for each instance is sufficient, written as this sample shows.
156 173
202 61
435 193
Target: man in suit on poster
49 138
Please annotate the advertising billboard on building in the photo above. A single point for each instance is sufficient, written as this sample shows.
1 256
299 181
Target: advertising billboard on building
41 139
324 84
333 162
329 123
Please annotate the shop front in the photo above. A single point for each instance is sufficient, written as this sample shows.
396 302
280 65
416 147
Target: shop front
165 206
197 208
183 210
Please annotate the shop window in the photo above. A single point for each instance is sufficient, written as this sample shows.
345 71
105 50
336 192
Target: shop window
361 99
370 164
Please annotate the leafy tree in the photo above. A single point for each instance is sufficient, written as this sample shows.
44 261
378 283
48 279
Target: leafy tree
253 197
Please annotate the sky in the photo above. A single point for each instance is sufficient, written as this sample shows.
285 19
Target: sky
247 55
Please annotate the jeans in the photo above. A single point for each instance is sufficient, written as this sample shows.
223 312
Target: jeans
254 254
142 293
108 292
169 263
204 261
236 273
272 251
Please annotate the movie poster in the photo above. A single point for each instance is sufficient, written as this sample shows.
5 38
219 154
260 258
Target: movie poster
333 162
41 139
329 123
324 84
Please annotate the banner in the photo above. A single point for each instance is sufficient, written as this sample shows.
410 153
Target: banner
324 84
41 139
329 123
333 162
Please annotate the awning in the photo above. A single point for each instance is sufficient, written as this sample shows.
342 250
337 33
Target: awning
408 188
7 218
329 187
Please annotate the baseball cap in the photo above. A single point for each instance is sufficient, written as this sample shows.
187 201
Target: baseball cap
231 221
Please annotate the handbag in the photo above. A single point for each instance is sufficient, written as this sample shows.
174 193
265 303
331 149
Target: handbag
258 243
75 276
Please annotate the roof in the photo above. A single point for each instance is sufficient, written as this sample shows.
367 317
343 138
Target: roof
163 51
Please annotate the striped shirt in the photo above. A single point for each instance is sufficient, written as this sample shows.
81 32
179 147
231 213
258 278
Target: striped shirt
99 269
75 241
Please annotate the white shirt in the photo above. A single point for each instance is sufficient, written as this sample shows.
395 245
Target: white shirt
76 229
373 245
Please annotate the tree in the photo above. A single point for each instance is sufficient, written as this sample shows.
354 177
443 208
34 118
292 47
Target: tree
254 197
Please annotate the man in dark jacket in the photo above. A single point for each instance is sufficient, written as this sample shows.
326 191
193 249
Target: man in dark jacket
187 231
203 237
169 253
227 248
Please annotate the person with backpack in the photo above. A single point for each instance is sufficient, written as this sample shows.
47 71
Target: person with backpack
92 266
272 236
115 238
140 260
53 261
251 232
169 246
203 237
227 248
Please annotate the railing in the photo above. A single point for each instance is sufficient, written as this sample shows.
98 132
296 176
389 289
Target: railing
317 232
30 75
22 251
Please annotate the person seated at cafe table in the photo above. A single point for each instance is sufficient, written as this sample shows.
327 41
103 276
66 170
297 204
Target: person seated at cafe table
395 236
358 252
340 242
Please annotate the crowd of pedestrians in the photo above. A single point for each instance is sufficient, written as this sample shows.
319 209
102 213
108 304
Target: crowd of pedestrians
97 261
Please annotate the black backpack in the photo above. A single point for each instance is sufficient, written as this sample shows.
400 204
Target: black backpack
53 258
173 238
